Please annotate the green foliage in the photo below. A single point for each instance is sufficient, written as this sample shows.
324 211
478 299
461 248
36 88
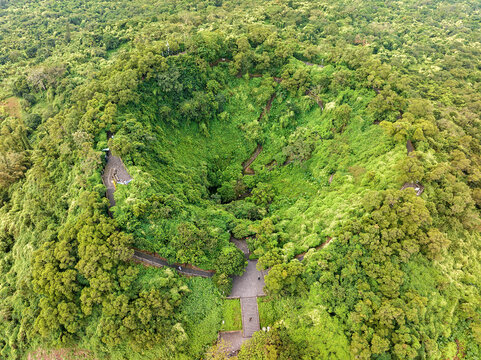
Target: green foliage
184 89
379 297
92 250
227 192
301 144
231 315
316 338
14 151
202 311
231 261
263 194
285 279
223 283
191 242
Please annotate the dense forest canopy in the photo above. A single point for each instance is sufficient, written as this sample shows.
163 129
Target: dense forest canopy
348 131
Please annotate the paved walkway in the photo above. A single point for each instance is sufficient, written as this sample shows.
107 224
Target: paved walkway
241 244
149 259
250 284
114 171
247 288
232 339
250 316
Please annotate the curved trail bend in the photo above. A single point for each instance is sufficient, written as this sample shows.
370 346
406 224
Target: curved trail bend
116 173
300 257
246 165
246 169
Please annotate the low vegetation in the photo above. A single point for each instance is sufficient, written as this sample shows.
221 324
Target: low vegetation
231 315
328 92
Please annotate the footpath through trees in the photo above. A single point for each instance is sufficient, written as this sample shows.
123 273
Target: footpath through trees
114 173
246 169
147 258
300 257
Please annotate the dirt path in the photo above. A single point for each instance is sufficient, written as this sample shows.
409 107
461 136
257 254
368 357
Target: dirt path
268 106
246 165
246 169
300 257
221 60
460 351
409 146
316 98
308 92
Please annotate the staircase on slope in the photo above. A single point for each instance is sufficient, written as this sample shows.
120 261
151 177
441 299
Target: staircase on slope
250 316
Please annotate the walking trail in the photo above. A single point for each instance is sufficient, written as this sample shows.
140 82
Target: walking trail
246 165
114 173
418 188
247 288
147 258
300 257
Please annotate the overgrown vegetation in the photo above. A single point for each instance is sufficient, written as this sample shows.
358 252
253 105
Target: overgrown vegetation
332 92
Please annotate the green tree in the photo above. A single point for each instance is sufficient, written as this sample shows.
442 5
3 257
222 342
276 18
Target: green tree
286 279
231 261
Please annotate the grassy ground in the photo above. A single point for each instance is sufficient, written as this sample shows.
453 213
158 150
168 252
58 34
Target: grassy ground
11 106
308 207
231 315
267 314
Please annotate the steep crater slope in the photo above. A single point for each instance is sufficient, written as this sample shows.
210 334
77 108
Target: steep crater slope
197 178
299 148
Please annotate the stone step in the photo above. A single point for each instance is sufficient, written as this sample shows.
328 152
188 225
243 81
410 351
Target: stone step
250 316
